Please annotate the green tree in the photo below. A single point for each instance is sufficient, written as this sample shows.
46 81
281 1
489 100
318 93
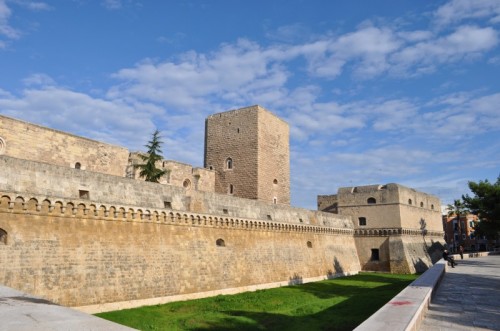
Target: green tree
458 209
486 205
148 169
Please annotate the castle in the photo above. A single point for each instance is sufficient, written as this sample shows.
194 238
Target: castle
79 227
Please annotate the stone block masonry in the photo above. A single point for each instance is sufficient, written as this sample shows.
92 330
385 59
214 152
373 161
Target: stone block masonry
33 142
76 255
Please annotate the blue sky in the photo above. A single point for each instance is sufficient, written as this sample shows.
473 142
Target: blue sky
375 92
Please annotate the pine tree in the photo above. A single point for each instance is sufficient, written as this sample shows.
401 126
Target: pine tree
149 171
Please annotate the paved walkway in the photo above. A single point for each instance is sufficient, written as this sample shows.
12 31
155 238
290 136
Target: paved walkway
468 297
23 312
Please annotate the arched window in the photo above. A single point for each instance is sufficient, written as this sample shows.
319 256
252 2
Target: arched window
229 163
3 236
78 165
432 207
409 201
371 201
186 183
275 181
220 242
275 200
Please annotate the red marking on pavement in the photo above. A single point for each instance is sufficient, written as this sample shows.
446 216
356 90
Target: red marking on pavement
400 303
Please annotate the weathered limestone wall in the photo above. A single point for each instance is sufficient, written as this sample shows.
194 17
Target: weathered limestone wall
77 253
48 180
257 142
233 135
414 253
407 253
33 142
328 203
273 158
390 206
177 174
364 246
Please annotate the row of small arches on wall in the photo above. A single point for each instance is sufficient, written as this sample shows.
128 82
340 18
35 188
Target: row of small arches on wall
394 231
71 209
372 201
221 243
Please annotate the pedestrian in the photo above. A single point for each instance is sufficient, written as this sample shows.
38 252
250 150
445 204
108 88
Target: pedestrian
449 258
461 252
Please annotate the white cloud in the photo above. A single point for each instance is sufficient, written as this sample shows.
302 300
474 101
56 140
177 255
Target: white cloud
112 4
459 10
5 28
39 79
463 41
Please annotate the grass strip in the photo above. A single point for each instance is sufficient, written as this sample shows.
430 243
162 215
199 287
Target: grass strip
336 304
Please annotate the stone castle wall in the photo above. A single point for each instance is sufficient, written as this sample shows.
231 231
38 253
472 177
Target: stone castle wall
273 159
33 142
80 253
45 180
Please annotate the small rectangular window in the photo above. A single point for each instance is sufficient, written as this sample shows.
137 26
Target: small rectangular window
225 211
167 204
84 194
362 221
375 255
269 217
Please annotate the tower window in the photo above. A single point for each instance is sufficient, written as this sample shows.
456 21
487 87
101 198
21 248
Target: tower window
78 165
83 194
375 255
421 204
309 244
186 183
275 200
229 163
371 201
231 189
362 221
275 181
220 242
410 202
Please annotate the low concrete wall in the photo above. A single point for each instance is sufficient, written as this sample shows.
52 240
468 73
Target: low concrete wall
407 309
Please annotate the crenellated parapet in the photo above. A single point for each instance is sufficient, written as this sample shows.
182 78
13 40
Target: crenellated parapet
12 202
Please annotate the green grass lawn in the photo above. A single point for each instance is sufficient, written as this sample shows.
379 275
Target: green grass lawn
337 304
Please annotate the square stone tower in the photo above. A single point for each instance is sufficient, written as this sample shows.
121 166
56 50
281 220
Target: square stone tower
250 151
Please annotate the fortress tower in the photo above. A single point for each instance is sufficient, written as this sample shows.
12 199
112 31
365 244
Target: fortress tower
249 150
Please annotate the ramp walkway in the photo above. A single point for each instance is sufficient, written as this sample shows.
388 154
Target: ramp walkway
468 297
